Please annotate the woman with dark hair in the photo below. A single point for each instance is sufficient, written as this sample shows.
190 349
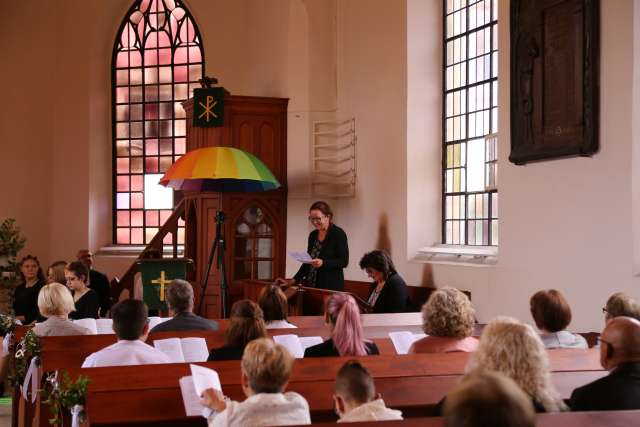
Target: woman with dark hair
275 307
388 290
342 314
552 314
245 325
85 298
25 297
329 251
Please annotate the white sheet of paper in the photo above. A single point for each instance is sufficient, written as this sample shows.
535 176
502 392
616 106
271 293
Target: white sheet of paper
90 324
307 342
292 343
402 340
155 320
104 326
302 257
192 405
204 378
172 347
194 349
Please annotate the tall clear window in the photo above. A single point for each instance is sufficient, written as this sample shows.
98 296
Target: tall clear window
470 195
157 62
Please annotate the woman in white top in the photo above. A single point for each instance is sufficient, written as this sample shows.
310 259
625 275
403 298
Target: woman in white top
266 367
273 303
552 314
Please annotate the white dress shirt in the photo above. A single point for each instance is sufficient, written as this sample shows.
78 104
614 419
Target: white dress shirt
264 409
279 324
125 352
371 411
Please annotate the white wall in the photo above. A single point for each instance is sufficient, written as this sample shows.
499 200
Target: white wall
564 224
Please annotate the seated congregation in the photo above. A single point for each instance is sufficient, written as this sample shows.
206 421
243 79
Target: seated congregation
506 381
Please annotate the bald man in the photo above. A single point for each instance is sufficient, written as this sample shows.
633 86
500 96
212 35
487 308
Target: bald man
620 355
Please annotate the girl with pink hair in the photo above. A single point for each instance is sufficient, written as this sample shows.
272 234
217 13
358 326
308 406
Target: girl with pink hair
347 338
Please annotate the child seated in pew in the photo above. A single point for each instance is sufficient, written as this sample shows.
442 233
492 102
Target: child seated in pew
488 399
347 337
131 326
275 307
266 367
245 325
356 398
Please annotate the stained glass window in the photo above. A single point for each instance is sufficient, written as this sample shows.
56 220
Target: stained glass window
470 195
157 62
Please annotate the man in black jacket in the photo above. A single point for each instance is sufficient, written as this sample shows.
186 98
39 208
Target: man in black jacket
619 354
97 281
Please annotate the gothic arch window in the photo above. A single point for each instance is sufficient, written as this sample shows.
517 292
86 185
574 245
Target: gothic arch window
253 255
157 62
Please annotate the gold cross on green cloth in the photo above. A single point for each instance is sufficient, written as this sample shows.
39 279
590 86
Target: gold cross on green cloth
162 281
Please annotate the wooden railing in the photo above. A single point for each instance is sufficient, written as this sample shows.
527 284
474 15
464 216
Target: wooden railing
169 227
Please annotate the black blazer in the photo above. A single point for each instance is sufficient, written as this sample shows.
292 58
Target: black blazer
334 255
226 352
393 296
100 283
328 349
25 302
86 307
617 391
186 322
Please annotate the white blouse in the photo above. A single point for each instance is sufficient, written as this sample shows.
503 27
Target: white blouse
264 409
279 324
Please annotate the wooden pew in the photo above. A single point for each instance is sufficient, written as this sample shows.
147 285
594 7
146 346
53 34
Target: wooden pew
134 393
310 301
562 419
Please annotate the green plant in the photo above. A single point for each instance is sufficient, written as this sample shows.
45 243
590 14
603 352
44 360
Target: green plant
11 242
26 349
65 394
11 239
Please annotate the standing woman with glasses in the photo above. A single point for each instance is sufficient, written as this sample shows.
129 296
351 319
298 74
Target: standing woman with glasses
329 251
85 299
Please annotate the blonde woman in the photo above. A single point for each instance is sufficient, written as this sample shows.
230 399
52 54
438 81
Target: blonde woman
516 350
55 272
448 318
266 367
55 303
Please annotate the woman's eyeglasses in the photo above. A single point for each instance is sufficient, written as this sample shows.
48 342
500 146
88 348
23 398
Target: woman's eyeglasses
315 218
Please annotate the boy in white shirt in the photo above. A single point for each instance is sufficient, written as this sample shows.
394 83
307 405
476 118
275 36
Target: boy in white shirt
131 325
356 398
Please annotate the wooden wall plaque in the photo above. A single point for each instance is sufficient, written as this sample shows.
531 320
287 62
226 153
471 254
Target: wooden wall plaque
555 60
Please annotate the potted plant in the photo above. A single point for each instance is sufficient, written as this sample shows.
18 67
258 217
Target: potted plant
11 242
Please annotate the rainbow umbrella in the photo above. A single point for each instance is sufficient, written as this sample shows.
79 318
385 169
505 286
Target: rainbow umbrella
223 169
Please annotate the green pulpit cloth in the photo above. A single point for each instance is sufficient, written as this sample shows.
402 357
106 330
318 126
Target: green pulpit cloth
157 274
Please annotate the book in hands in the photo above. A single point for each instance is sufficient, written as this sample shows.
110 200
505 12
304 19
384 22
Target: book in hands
403 340
181 350
194 386
96 326
295 344
302 257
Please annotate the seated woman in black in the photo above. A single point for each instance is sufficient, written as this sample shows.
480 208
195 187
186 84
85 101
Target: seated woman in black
84 298
25 297
245 325
388 291
347 337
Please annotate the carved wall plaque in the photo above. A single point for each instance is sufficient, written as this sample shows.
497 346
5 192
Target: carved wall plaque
555 60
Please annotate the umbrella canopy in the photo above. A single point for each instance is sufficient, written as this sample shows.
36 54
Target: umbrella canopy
223 169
